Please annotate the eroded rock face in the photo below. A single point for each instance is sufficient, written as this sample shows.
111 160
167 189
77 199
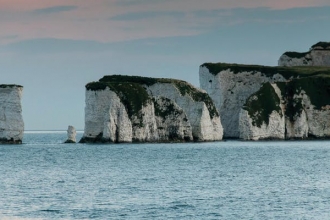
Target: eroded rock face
229 89
262 116
141 109
204 126
298 112
318 55
11 120
172 121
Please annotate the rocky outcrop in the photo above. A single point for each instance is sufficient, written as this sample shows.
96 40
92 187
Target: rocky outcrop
242 94
11 120
229 86
300 110
142 109
262 116
318 55
71 132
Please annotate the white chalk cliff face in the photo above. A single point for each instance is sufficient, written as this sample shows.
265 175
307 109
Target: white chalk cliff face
122 110
229 91
274 125
204 127
301 114
11 120
106 117
171 120
318 55
309 121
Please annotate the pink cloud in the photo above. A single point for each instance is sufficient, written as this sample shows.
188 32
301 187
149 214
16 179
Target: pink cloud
90 19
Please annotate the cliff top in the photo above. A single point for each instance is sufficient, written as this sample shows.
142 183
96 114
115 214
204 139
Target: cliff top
318 46
130 88
288 72
321 45
10 86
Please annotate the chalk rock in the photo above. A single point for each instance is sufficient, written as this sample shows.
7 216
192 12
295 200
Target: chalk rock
308 107
299 110
229 86
262 116
142 109
71 132
318 55
202 114
11 120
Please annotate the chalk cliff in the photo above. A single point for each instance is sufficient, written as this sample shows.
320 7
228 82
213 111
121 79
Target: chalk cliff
11 120
318 55
229 86
243 94
141 109
299 110
262 115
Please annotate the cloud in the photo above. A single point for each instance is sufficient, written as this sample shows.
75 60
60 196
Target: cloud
50 45
146 15
125 20
54 9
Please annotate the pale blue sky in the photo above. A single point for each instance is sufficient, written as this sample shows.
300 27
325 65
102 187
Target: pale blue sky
54 48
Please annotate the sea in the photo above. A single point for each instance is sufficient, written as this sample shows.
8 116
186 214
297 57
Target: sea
46 179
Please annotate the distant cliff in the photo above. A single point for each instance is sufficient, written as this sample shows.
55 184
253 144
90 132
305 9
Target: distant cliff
260 102
11 120
141 109
318 55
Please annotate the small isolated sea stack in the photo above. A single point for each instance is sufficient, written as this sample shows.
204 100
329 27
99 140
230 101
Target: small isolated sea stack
71 132
11 120
142 109
318 55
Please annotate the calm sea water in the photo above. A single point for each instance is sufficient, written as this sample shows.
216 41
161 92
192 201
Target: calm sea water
45 179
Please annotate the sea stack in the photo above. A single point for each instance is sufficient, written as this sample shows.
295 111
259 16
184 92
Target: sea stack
142 109
11 120
71 135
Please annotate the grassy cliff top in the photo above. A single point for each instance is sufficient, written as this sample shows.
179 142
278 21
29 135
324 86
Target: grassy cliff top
132 95
287 72
293 54
322 44
10 86
137 79
137 82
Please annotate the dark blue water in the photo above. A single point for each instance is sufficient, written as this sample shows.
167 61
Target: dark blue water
45 179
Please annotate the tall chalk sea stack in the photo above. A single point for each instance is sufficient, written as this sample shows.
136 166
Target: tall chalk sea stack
11 120
142 109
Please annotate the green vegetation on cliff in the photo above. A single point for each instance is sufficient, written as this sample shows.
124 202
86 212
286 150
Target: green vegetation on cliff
324 45
297 55
185 89
261 104
287 72
9 86
167 109
317 89
132 95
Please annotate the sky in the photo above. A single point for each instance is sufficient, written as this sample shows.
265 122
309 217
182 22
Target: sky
54 48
